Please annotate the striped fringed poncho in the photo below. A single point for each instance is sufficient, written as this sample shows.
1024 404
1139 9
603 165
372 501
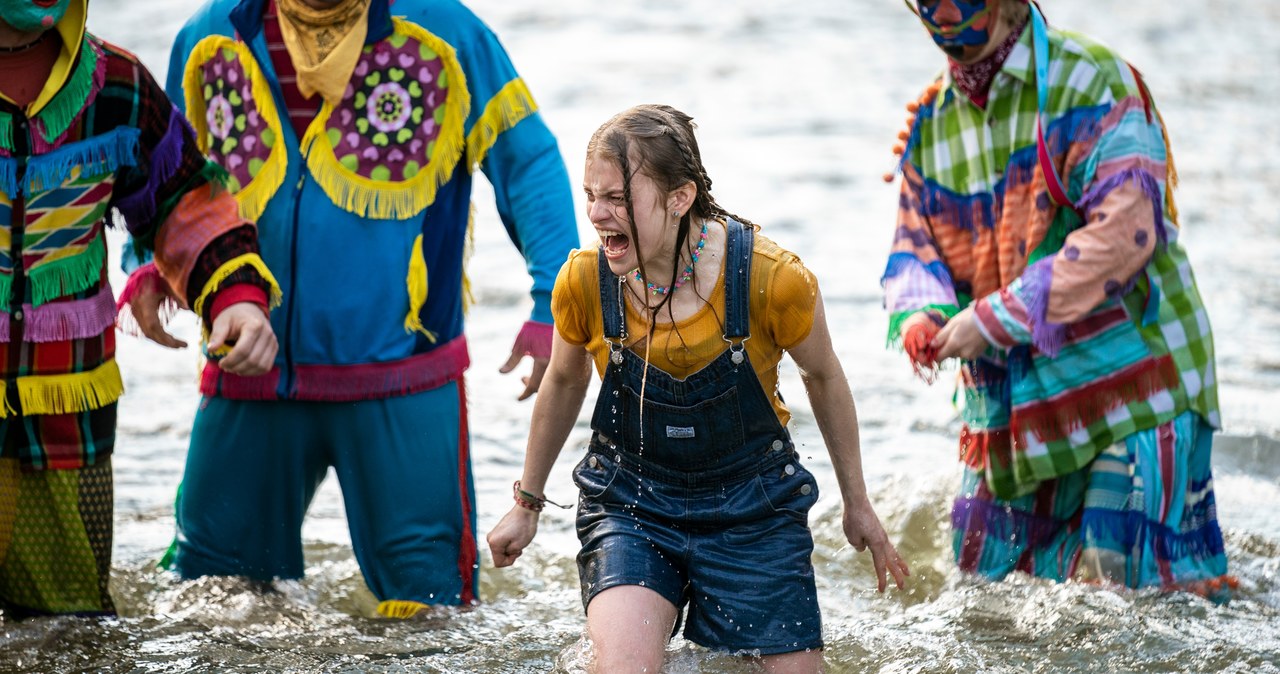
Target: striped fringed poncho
1097 327
108 139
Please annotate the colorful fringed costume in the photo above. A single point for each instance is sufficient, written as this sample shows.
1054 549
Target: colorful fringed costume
363 204
1088 422
100 135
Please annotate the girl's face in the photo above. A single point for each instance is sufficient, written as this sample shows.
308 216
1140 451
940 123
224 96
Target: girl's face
607 210
32 16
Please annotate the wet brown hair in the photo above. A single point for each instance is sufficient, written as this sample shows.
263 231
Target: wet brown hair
658 141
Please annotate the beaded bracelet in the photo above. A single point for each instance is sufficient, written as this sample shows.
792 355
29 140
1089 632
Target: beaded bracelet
530 501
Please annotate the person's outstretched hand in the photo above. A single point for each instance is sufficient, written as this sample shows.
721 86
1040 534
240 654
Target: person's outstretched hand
863 529
534 379
245 326
512 535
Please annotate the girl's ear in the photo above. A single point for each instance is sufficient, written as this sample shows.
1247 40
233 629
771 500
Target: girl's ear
681 198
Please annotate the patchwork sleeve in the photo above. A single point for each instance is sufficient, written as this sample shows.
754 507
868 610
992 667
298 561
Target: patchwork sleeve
508 140
1123 213
174 204
916 278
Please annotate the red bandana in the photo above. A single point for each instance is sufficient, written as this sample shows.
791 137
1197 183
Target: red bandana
975 79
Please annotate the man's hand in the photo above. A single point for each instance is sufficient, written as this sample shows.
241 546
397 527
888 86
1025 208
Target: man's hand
534 380
146 306
245 325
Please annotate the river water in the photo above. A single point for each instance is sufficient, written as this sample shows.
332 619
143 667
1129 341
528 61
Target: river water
798 104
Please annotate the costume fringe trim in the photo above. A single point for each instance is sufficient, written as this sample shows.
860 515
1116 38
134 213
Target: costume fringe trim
1055 418
143 279
416 282
1131 529
400 608
898 318
253 197
385 199
6 132
53 121
139 208
70 393
94 157
63 276
228 268
1036 280
9 176
508 107
62 321
468 249
1003 523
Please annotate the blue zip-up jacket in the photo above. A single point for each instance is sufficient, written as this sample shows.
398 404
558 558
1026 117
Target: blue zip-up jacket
364 220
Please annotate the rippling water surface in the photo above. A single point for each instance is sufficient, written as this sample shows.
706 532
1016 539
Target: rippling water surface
798 104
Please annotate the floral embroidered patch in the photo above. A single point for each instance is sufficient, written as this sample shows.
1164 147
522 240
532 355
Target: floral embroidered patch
386 126
236 134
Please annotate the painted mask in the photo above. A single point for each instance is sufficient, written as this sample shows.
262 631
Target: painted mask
959 28
31 16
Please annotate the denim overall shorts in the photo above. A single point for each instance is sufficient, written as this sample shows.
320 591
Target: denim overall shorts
697 492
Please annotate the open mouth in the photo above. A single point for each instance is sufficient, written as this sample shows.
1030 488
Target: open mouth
615 244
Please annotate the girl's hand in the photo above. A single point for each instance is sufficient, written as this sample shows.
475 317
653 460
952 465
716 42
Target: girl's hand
863 529
512 535
960 337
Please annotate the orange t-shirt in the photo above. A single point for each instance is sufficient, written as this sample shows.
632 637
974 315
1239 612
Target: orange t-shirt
783 296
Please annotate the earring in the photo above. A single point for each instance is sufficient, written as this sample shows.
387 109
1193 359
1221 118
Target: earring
675 214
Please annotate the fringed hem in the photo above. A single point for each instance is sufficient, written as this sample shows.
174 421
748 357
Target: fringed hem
274 294
1004 523
1036 282
9 176
62 321
52 123
215 382
512 104
70 393
345 383
945 312
385 199
146 278
1055 418
1130 530
139 208
534 339
253 197
400 608
64 276
94 157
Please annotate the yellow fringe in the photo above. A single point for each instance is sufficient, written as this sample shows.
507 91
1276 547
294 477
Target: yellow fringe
511 104
252 198
68 393
400 608
394 200
468 248
416 282
5 408
227 269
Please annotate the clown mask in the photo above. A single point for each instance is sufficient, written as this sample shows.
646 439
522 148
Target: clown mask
32 16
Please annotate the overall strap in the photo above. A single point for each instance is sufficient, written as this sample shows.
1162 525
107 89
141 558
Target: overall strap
610 308
737 282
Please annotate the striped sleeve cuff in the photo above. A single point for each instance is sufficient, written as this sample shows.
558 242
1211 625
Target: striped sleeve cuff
1003 320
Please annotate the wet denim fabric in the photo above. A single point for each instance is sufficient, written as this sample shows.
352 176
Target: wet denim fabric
697 493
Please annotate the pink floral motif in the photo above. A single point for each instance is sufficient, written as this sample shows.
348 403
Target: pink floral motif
389 107
220 117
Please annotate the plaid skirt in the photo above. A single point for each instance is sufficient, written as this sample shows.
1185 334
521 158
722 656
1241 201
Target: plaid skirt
1141 514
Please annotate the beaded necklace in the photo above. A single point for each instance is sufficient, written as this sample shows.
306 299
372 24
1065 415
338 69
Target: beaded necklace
688 270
